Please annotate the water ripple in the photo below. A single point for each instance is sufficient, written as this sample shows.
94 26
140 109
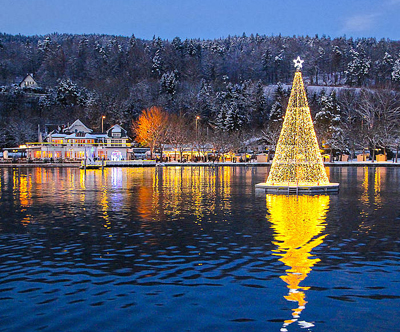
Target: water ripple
130 247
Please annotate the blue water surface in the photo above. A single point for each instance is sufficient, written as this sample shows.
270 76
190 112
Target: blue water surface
197 249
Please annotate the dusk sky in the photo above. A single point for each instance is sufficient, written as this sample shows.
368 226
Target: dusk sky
203 19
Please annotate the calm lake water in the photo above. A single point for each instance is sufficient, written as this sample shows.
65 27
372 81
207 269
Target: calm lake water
197 249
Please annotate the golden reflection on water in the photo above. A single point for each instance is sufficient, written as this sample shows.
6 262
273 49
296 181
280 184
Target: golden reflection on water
298 222
364 174
377 186
177 189
105 206
22 185
373 180
373 184
153 193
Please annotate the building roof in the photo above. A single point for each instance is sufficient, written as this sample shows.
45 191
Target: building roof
78 123
74 136
117 128
28 77
57 135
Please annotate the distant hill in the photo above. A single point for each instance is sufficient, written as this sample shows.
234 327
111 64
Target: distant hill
88 76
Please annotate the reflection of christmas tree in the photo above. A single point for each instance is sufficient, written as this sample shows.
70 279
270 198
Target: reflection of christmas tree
297 222
297 158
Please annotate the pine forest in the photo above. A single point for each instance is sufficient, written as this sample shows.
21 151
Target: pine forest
235 87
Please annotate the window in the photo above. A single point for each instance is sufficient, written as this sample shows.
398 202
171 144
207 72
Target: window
116 142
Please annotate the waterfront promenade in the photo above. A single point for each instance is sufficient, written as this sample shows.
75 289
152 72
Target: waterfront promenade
151 163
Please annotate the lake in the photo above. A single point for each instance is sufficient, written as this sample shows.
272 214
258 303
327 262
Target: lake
197 249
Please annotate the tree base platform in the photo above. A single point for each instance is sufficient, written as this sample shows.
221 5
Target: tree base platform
330 188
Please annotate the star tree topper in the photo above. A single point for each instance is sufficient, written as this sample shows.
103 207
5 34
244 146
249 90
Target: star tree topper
298 63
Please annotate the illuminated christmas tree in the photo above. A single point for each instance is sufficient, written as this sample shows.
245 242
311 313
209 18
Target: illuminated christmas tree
298 161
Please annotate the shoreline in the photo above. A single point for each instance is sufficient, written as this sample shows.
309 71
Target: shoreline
199 164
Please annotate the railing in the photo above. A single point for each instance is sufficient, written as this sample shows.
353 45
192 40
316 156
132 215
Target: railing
127 163
113 163
71 144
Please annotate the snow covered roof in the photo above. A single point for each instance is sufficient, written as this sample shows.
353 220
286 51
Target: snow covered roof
116 131
116 127
77 126
28 81
57 135
86 135
100 135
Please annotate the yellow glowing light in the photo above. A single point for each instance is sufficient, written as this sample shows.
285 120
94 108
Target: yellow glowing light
298 222
297 160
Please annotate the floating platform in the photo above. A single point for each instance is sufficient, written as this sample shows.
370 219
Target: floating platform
90 167
330 188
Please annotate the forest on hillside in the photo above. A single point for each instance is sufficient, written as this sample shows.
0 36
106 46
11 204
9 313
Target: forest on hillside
234 84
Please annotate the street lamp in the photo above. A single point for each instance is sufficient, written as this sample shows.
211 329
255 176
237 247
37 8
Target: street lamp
197 119
102 126
197 134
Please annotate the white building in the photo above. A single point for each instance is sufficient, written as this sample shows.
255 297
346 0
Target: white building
116 144
77 142
28 82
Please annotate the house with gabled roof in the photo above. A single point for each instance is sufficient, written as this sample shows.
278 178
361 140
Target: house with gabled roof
28 82
77 127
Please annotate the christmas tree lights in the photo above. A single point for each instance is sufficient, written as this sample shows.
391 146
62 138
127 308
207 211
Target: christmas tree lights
297 158
298 161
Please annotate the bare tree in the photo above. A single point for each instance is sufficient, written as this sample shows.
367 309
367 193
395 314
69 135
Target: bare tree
178 131
350 122
21 131
271 134
218 141
379 112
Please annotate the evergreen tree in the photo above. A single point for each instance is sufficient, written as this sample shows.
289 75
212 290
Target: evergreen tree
169 83
157 64
358 68
220 120
328 121
384 68
259 102
396 71
132 41
206 100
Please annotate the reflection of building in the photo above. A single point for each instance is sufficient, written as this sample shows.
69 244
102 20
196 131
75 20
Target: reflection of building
297 222
151 193
78 142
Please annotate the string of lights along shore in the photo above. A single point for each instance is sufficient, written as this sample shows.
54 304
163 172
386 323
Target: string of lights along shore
297 166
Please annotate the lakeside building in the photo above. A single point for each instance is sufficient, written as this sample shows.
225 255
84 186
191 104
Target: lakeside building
77 142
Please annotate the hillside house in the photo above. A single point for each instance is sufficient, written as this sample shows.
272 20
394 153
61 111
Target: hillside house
28 82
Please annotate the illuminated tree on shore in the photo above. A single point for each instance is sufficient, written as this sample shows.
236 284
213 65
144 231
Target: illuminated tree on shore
151 128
